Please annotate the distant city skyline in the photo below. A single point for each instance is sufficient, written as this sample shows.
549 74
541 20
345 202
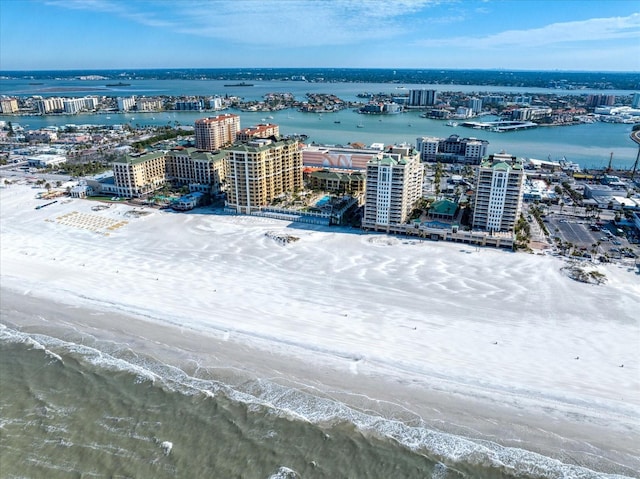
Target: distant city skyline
470 34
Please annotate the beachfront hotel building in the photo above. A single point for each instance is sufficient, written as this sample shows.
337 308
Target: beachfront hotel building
201 171
498 194
138 176
263 130
393 185
215 132
258 171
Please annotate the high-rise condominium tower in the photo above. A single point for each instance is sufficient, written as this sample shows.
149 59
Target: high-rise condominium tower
214 133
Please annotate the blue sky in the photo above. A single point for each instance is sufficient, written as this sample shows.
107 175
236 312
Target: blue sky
592 35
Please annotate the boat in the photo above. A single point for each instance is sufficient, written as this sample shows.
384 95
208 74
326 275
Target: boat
119 84
360 125
239 84
452 123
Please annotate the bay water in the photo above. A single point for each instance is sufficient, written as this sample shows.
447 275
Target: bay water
590 145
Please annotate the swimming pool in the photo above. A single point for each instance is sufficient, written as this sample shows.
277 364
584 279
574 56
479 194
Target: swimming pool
323 201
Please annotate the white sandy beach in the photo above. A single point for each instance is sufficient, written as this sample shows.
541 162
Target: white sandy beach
474 341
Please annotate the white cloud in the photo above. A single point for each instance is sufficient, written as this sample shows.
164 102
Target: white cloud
595 29
268 23
92 5
296 22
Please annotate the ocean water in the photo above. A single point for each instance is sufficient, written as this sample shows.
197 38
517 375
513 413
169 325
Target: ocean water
73 411
85 408
589 145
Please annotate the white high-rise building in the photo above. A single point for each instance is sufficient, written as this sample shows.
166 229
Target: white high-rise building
215 103
49 105
126 103
498 196
475 104
75 105
394 184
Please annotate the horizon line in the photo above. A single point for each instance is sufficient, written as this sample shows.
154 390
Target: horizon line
326 68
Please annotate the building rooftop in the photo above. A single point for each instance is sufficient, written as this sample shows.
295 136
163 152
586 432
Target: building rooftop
207 155
387 160
444 207
134 160
502 161
216 119
258 146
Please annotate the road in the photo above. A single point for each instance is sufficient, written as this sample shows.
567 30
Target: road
12 172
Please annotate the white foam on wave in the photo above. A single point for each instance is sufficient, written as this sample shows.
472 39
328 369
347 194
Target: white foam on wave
439 471
11 336
450 450
284 473
166 447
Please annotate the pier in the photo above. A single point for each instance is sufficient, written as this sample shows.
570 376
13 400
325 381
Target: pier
500 126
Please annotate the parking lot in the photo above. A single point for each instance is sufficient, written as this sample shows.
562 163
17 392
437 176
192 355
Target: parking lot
579 232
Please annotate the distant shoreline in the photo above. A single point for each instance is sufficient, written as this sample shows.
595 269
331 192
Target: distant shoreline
507 78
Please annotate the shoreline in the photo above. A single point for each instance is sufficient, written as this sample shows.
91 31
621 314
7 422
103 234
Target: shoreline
472 342
415 403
